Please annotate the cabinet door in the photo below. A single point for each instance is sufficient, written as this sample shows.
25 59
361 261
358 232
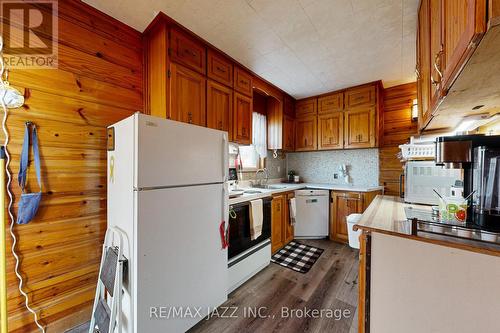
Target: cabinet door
220 68
287 225
436 51
243 81
219 105
331 103
331 131
187 95
423 63
360 128
288 133
242 119
343 204
306 133
360 96
464 22
288 106
187 51
277 223
306 107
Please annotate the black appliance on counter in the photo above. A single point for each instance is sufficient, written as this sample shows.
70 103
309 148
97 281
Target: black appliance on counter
239 228
479 157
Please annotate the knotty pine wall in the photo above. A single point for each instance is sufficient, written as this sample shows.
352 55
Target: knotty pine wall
99 81
397 129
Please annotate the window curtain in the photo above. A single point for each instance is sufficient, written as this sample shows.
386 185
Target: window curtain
259 136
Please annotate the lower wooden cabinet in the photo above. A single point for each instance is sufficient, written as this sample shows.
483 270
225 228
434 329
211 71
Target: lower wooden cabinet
187 95
342 204
282 230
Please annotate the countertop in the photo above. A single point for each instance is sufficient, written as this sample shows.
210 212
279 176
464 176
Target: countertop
286 187
386 214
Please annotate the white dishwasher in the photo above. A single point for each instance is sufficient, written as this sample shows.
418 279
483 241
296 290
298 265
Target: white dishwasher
311 220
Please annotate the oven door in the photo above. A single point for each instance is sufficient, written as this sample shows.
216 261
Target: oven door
239 228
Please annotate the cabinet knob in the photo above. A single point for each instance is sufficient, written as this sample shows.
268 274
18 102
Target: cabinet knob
220 69
220 124
190 117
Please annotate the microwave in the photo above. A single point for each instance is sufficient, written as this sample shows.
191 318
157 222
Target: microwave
422 177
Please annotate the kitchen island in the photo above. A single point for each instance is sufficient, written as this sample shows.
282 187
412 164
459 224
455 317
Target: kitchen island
416 281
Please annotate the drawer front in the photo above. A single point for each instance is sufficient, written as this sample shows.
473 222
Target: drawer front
187 51
306 107
331 103
243 81
220 69
362 96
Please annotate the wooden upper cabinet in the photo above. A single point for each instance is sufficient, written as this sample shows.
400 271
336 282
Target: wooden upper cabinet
242 119
360 128
360 96
307 106
187 95
463 24
219 106
423 63
187 51
243 81
220 68
306 133
331 131
157 83
331 103
288 106
288 133
436 51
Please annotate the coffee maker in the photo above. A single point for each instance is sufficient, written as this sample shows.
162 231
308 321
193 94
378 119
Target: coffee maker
479 158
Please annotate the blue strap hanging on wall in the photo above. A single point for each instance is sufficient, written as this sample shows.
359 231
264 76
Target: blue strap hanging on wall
29 202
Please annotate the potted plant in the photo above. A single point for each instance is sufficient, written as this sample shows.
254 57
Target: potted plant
291 175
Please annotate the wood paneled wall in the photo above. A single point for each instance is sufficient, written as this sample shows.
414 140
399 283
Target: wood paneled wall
397 129
98 82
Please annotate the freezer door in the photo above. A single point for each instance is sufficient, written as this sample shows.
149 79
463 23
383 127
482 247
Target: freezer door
171 153
180 261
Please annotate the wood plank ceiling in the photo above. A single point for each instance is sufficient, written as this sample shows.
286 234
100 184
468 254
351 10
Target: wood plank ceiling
305 47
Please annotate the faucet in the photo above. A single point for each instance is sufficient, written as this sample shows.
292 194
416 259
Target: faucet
266 174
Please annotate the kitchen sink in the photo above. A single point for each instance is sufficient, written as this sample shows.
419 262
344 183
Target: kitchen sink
252 192
270 187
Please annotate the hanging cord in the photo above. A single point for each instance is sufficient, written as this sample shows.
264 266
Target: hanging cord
4 84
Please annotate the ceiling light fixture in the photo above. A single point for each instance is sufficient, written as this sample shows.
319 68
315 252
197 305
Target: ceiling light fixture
470 123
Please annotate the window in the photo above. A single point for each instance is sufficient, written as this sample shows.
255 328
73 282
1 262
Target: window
251 155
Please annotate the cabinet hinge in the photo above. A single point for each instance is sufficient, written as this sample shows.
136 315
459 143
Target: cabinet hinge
169 73
331 200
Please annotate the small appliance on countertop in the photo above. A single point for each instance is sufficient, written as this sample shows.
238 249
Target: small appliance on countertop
478 156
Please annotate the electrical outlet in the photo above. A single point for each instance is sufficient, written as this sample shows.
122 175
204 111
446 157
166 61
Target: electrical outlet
335 176
279 169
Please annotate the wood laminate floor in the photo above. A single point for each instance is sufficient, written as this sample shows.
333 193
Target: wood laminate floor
331 285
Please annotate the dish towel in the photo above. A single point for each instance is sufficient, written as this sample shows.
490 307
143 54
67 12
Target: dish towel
256 218
293 210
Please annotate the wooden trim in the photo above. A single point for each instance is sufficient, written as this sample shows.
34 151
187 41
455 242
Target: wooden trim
364 283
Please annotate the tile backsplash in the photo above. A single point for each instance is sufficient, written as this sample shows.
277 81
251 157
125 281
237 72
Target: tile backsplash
320 166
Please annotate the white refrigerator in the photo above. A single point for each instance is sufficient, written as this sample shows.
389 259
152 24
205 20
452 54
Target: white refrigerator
166 192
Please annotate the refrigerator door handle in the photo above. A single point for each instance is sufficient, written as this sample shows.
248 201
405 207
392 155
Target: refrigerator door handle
225 163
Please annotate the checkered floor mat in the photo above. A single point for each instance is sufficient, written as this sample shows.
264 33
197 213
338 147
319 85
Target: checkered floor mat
297 256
